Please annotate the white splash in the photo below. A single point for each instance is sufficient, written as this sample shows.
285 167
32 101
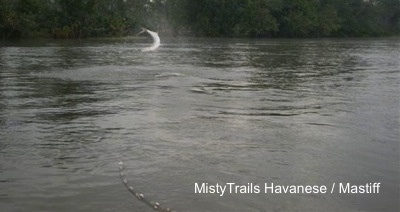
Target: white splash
156 40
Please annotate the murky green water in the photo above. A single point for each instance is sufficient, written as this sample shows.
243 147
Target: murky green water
288 112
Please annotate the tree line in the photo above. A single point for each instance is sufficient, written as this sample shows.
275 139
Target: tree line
213 18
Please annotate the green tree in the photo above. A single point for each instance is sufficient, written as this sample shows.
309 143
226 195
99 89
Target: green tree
390 15
328 21
248 18
256 20
297 18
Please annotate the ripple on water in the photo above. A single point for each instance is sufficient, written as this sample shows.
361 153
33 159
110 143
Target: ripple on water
197 110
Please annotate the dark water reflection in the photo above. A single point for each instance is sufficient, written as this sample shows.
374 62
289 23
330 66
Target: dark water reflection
288 112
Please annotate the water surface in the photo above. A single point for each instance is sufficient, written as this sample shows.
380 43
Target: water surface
288 112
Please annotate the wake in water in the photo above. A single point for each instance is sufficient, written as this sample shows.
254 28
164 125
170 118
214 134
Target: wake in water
156 40
155 205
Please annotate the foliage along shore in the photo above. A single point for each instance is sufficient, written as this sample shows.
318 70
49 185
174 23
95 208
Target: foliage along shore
209 18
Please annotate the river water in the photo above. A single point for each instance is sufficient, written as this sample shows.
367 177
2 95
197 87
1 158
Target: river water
249 112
